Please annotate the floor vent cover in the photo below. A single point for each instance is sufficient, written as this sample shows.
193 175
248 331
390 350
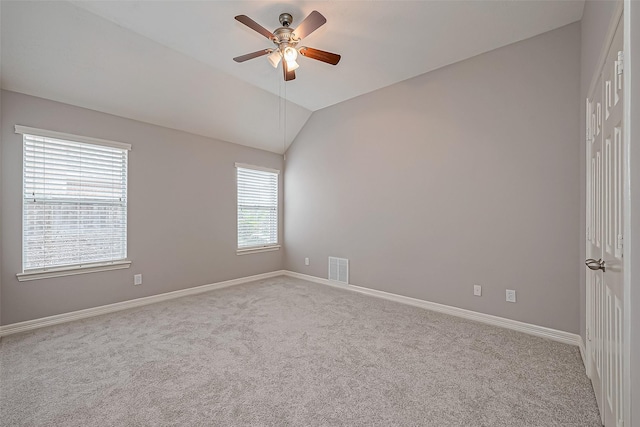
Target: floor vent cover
339 269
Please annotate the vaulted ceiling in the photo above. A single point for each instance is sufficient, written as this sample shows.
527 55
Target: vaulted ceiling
170 63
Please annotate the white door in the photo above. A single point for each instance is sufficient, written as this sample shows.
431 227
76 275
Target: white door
604 236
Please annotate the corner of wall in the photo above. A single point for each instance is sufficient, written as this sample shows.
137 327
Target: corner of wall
197 252
350 177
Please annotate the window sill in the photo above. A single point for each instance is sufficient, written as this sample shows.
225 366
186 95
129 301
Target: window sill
71 271
248 251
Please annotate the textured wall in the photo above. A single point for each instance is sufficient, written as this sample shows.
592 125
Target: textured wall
181 214
468 174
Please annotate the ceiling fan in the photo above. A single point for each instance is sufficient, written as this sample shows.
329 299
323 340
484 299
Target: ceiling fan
286 40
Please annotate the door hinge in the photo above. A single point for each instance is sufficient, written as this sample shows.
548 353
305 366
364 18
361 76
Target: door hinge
620 62
588 334
588 234
619 241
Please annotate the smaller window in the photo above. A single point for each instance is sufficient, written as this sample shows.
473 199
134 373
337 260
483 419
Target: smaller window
257 208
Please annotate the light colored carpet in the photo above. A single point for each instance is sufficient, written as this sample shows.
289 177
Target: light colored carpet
287 352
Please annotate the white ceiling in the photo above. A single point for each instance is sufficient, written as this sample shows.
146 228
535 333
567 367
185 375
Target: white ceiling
170 63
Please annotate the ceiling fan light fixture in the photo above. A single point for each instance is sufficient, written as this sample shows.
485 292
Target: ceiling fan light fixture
274 58
290 54
292 65
286 40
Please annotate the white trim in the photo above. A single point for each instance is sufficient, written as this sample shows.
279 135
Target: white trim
315 279
247 251
258 168
539 331
70 137
30 325
73 270
583 352
631 72
527 328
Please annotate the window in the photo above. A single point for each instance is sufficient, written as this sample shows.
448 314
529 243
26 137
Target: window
257 208
74 212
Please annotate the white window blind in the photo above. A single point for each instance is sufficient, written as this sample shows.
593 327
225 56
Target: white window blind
257 207
75 203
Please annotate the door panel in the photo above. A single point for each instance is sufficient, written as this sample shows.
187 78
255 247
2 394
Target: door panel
594 246
605 160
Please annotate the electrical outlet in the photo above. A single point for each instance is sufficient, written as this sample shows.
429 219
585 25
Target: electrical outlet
306 261
477 290
511 295
137 279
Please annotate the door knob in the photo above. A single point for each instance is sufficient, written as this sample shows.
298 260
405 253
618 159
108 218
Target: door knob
595 264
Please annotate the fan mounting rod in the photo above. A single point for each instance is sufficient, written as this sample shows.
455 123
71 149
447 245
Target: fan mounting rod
286 19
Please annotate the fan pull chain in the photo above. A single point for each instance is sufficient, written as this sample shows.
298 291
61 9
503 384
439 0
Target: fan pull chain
279 103
284 132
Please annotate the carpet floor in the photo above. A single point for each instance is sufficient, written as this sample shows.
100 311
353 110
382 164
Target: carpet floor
283 351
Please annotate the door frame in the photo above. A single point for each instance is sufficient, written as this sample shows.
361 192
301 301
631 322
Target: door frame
631 238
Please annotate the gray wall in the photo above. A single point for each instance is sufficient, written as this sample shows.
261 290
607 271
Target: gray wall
465 175
182 211
595 22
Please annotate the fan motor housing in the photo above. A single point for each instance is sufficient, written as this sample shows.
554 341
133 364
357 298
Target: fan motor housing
284 37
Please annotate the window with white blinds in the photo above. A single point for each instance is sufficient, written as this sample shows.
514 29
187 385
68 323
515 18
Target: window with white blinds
74 204
257 207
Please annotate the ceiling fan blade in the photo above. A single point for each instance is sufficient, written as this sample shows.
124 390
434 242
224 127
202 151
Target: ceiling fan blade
252 55
320 55
288 75
311 23
254 26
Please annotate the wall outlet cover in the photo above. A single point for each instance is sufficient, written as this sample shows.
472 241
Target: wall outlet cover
306 261
511 295
477 290
137 279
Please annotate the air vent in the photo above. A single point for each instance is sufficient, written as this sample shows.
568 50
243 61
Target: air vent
339 269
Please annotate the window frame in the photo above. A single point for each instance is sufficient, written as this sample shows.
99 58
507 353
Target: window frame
67 270
258 248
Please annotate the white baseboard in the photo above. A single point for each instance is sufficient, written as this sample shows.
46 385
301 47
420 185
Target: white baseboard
583 351
527 328
540 331
124 305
